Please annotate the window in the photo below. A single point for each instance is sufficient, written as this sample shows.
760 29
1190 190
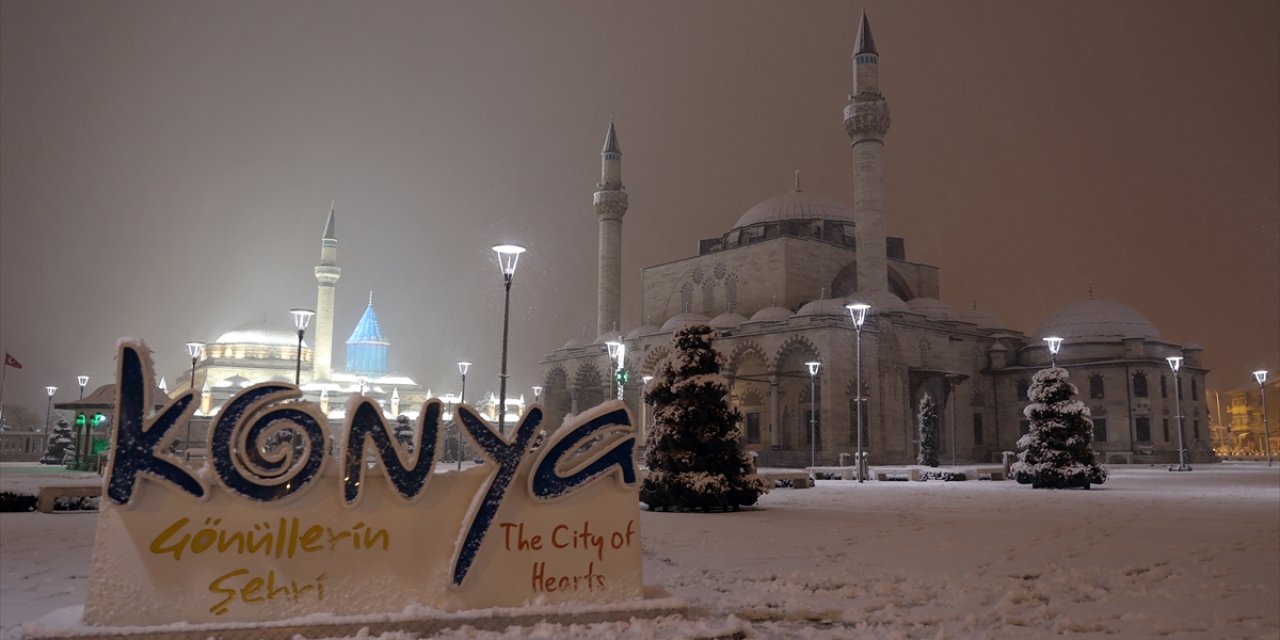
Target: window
1166 429
1142 425
1023 387
1195 389
977 428
708 296
731 292
686 297
753 428
1164 386
1139 385
1024 427
1099 429
1096 389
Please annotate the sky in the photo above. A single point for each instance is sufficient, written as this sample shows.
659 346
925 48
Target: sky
166 168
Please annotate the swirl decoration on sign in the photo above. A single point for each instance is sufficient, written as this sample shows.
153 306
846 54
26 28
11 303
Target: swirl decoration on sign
275 449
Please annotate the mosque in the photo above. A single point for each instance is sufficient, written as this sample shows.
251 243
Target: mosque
775 286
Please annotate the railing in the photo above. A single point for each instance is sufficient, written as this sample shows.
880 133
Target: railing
21 446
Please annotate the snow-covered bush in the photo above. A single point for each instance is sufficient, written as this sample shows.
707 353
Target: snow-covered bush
695 457
927 431
1056 452
403 432
59 448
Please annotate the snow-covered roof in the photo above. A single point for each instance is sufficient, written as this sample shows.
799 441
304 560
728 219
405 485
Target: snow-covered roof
824 307
1096 319
682 319
796 205
932 308
643 330
728 321
576 343
772 314
259 335
984 319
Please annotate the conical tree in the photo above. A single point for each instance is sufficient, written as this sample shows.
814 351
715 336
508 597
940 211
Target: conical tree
59 445
1056 451
927 431
696 460
404 432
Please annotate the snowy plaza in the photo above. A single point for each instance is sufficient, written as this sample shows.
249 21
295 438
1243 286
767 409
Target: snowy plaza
1148 554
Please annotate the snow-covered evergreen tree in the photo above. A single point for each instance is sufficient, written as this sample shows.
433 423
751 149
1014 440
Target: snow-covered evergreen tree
1056 452
695 457
59 446
404 432
927 431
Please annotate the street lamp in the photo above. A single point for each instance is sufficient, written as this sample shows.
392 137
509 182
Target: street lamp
858 312
301 318
813 365
1175 363
84 381
48 407
462 369
194 349
1261 376
508 256
644 409
617 352
1055 345
537 393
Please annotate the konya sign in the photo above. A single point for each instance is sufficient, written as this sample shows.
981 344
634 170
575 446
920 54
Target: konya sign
258 533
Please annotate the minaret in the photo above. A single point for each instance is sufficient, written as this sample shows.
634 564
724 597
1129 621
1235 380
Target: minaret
327 274
611 205
866 120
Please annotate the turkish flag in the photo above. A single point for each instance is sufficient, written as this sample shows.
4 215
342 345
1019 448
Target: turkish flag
10 361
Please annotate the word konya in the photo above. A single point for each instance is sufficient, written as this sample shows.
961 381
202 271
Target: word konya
274 526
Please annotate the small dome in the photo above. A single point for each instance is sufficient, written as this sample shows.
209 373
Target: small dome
576 343
643 330
932 308
881 302
772 314
681 319
1192 346
824 307
1096 319
984 319
797 205
608 336
728 321
259 335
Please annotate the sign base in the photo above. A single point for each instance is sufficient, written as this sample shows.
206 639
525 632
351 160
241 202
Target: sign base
656 602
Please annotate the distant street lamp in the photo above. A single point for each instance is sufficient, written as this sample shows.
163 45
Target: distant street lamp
617 352
508 257
301 318
84 381
462 397
1055 345
813 416
537 393
858 312
644 409
1261 376
194 349
1175 363
48 407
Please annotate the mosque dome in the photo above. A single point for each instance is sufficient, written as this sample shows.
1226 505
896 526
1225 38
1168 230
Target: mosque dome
824 307
932 308
368 348
881 302
772 314
608 336
796 205
728 321
259 334
576 343
643 330
682 319
984 319
1096 319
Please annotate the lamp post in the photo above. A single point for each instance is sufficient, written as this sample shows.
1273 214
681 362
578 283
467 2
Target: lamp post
954 380
194 349
462 397
644 410
813 365
1175 363
48 407
858 312
1055 345
508 257
1261 376
537 393
84 381
617 352
301 318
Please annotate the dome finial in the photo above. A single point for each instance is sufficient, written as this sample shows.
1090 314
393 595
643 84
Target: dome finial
371 297
796 188
822 295
1090 292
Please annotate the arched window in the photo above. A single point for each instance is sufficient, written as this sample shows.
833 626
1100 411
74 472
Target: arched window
686 297
1139 385
708 296
1096 387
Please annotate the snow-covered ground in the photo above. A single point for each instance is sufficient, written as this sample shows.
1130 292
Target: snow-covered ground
1149 554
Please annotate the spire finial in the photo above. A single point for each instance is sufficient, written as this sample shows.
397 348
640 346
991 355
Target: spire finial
611 140
1090 292
371 297
796 188
330 228
822 295
865 44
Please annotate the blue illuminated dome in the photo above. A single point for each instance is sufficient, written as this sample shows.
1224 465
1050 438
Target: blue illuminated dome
367 348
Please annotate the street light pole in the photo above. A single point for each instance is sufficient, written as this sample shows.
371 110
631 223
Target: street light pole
1055 345
617 351
644 409
508 257
194 349
1175 363
462 397
858 312
48 407
301 318
1261 376
813 366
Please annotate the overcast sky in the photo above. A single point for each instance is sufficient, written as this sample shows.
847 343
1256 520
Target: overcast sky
166 167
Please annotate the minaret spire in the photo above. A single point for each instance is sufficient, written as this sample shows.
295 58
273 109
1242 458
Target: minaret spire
327 274
610 205
866 120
